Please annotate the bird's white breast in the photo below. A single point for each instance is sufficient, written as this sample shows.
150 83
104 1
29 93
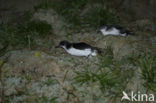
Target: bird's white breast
113 31
78 52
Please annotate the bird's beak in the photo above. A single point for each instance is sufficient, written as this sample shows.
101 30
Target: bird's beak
57 46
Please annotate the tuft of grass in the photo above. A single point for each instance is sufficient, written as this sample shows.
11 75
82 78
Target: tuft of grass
147 64
85 76
28 78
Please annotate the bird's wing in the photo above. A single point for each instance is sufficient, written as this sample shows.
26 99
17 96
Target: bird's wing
81 45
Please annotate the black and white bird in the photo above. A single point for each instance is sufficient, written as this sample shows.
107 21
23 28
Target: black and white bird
115 30
79 49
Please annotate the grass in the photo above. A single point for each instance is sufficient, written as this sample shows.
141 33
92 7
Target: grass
46 4
98 16
76 13
24 34
111 75
45 99
28 78
41 28
85 76
79 16
49 82
147 64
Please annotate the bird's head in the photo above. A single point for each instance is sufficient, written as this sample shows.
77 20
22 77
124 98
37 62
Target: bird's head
62 44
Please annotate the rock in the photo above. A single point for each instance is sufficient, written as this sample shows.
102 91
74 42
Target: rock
21 63
121 46
12 84
39 74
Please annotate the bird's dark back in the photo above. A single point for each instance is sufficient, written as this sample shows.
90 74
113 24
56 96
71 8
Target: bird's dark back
81 45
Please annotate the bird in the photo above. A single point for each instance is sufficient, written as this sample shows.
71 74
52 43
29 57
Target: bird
115 30
78 49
